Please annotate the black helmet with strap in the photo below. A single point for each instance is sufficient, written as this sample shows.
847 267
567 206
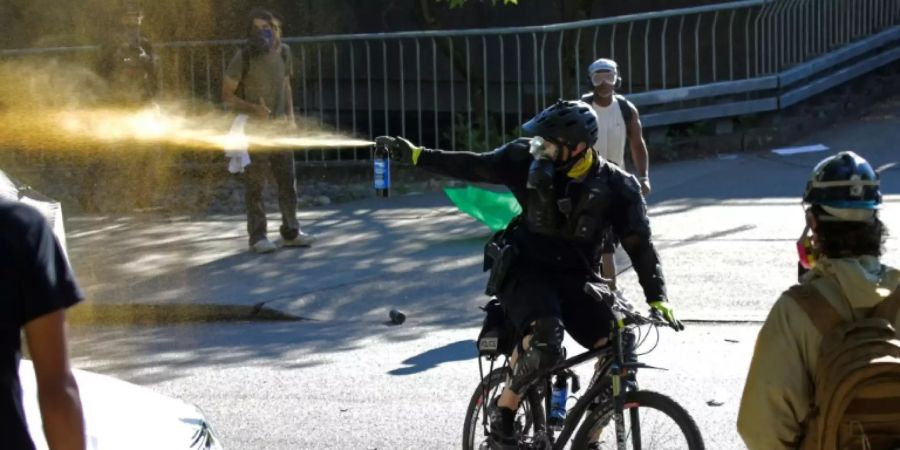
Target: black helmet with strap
565 122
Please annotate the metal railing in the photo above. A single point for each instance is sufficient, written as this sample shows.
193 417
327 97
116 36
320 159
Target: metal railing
472 88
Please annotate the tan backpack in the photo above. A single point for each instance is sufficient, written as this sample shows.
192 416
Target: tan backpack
857 377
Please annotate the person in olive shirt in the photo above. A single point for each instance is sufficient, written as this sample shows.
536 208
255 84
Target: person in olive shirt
257 83
37 287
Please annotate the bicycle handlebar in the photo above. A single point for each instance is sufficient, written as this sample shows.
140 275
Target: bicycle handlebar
633 317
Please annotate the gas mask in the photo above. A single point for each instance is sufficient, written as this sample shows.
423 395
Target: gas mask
546 163
543 166
260 41
542 212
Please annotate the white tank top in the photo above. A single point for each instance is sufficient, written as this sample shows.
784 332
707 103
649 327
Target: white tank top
611 132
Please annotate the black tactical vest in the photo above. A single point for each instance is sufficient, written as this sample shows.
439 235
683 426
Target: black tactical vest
581 214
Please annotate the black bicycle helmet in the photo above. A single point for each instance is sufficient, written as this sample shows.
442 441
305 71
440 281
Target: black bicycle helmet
566 122
845 186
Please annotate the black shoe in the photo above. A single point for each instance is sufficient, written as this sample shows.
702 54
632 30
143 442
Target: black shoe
500 443
502 437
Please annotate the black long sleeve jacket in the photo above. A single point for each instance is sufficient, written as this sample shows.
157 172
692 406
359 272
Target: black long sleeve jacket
609 194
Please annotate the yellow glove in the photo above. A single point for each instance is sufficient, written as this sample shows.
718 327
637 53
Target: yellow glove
668 313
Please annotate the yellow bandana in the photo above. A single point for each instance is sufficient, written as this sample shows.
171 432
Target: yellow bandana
581 167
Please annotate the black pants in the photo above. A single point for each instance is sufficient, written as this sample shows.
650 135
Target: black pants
532 294
280 165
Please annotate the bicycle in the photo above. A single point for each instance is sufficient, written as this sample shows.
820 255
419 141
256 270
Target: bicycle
612 393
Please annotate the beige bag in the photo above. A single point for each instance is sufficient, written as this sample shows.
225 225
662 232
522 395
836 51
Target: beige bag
857 378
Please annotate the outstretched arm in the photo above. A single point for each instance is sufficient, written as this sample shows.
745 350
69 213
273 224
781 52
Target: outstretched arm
505 165
492 167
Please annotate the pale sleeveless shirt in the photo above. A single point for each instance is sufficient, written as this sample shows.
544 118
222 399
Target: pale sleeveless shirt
611 132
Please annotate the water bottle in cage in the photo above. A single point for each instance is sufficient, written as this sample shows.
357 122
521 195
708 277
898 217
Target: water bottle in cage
558 397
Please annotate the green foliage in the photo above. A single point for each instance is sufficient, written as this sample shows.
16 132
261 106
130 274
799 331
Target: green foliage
460 3
667 151
478 132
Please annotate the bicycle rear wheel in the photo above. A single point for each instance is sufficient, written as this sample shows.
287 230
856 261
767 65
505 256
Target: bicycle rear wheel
652 422
530 419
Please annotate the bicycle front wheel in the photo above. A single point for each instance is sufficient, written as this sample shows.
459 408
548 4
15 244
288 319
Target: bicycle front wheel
652 422
529 418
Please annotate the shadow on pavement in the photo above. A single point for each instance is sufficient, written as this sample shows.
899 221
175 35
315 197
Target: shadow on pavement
179 349
457 351
416 253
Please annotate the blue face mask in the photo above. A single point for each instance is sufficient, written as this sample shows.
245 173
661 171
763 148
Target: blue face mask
261 40
267 35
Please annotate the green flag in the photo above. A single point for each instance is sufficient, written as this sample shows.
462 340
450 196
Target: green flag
494 209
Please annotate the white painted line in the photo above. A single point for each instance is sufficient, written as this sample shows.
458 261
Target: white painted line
803 149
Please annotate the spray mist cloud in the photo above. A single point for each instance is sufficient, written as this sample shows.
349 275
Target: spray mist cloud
55 106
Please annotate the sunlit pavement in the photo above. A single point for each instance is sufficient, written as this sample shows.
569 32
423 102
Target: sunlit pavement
366 385
345 379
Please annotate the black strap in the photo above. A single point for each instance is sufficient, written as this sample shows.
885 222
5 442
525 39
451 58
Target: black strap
625 108
245 68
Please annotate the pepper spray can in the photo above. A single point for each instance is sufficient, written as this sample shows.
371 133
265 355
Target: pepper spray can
381 162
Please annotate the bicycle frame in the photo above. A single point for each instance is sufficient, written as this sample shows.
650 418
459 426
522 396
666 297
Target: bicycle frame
614 367
621 374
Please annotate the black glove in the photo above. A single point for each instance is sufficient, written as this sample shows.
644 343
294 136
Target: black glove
401 150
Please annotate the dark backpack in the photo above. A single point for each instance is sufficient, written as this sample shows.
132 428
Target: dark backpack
857 377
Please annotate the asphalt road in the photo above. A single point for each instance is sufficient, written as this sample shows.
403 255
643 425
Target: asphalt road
345 379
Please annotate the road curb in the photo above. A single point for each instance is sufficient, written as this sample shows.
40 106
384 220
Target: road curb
168 314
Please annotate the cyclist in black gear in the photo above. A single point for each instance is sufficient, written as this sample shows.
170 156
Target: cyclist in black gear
570 199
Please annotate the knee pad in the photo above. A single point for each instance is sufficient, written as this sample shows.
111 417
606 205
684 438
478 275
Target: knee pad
544 352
